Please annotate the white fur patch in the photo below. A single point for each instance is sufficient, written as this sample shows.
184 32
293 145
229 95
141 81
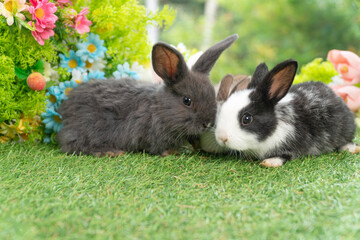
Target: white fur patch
351 147
283 130
272 162
287 99
227 124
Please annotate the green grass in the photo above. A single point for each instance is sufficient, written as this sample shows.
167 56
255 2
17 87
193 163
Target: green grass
45 194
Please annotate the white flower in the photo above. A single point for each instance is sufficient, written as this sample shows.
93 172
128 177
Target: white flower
49 73
77 76
336 80
97 65
124 71
147 75
181 47
192 59
136 67
11 8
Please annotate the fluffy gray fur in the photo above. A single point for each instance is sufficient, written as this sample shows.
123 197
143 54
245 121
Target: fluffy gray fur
128 115
323 123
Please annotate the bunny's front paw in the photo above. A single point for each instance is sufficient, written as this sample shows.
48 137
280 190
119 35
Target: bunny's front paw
169 152
109 154
351 147
273 162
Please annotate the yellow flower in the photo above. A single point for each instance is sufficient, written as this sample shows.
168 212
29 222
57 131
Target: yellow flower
4 139
8 130
12 130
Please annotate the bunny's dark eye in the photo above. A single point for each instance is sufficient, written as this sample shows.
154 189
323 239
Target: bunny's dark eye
187 101
246 119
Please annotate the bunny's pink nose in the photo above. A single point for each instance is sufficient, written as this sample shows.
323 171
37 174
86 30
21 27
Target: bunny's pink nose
222 137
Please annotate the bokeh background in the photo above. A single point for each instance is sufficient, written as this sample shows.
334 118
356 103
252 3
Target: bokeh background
269 31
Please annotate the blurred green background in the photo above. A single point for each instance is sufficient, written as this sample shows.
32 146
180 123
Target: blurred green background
269 31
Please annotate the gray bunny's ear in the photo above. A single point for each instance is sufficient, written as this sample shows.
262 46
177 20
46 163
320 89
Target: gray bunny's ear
208 59
168 63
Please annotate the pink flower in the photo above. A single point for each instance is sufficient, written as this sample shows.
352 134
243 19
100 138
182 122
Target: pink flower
34 2
350 94
82 24
40 34
43 12
63 3
347 64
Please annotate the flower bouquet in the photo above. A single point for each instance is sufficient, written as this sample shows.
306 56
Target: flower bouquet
49 47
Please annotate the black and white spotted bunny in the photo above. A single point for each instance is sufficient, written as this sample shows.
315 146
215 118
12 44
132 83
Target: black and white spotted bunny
277 123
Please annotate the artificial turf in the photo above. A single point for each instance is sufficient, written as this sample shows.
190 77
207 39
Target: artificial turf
45 194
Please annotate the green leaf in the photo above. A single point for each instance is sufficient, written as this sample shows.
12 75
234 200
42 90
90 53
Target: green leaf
25 24
21 73
39 67
50 83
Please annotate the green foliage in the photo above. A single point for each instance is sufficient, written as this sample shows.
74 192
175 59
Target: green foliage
122 24
7 76
271 31
64 75
16 98
24 73
189 20
316 70
289 29
29 102
22 48
18 49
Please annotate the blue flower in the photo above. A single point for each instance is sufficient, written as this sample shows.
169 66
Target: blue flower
94 75
92 49
72 62
66 87
55 96
49 136
47 139
52 120
124 71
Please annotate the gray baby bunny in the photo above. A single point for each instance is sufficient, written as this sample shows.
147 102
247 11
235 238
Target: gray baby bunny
115 116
